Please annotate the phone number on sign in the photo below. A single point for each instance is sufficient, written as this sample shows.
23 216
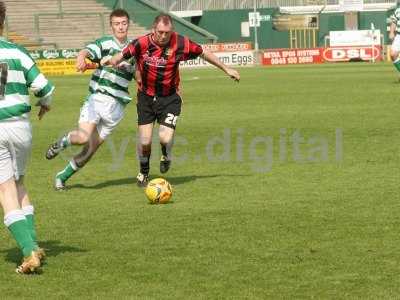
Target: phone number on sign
292 60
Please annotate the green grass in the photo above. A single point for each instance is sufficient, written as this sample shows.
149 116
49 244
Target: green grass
311 226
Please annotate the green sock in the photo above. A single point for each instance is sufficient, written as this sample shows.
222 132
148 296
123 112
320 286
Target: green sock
396 64
28 212
69 170
31 225
19 229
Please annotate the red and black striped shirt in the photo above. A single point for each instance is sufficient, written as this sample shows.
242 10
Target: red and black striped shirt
159 66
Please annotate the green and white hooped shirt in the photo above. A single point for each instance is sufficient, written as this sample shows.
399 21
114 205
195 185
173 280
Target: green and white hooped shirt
18 74
108 80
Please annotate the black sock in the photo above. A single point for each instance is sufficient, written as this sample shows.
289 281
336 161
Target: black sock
164 150
145 165
144 159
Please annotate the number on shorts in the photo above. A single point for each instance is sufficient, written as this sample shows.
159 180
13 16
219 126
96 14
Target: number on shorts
171 119
3 78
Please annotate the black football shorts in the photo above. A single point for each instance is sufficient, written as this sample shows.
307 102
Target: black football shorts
165 110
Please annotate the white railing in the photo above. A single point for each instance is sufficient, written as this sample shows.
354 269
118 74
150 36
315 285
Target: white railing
182 5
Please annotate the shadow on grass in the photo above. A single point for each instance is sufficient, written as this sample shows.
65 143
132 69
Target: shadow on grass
132 181
52 248
104 184
184 179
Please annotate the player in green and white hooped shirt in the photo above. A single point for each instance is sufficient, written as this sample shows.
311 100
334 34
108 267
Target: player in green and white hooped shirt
108 95
394 35
18 74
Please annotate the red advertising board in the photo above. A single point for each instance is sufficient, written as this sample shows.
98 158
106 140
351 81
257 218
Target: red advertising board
292 56
352 53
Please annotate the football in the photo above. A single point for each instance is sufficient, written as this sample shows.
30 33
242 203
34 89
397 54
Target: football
158 191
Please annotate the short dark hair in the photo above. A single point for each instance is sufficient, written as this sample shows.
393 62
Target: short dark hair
163 18
119 13
2 13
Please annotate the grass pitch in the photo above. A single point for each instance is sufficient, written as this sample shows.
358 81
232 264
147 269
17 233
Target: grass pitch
285 186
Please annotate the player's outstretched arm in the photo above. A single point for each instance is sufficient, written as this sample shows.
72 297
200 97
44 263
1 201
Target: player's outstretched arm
212 59
113 61
392 31
81 65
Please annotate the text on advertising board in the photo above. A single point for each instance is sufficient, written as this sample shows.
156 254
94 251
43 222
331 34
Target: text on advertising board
334 54
292 56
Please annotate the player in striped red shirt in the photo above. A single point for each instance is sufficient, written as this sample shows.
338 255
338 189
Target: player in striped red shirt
158 55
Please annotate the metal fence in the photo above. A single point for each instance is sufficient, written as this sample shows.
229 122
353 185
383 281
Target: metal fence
182 5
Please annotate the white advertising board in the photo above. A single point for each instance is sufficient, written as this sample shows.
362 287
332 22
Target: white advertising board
351 5
355 38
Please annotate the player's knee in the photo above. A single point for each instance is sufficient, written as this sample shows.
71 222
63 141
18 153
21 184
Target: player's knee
82 138
166 140
7 185
145 140
394 55
166 135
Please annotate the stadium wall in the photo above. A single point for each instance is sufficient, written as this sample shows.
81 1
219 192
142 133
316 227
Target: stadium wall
329 22
378 18
144 13
226 25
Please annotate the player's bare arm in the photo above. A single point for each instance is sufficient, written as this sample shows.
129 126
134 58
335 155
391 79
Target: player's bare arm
81 65
44 105
43 110
44 102
392 31
212 59
112 61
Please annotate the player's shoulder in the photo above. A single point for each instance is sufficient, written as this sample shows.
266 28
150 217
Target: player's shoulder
6 44
177 36
105 38
179 39
20 50
141 39
397 12
108 42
